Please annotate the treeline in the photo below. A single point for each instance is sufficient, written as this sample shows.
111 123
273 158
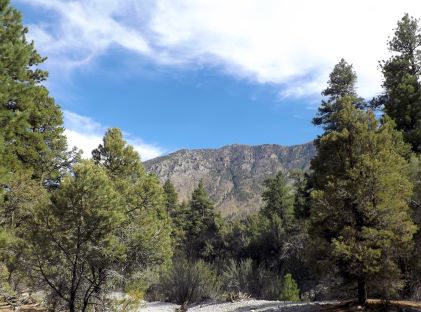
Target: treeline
80 230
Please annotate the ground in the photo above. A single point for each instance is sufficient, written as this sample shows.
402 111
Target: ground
279 306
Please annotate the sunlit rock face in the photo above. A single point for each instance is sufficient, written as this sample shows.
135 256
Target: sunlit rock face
233 175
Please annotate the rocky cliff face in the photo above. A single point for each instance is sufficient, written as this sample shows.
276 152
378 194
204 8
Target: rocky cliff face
233 175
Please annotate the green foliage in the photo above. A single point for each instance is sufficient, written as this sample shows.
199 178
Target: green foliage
278 199
238 276
75 240
202 238
188 282
402 87
20 202
342 81
171 198
119 159
31 122
290 291
360 216
146 230
245 278
302 194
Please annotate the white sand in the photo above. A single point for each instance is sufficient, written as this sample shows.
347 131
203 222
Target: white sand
240 306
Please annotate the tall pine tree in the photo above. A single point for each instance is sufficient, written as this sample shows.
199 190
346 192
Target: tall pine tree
342 82
31 122
402 86
360 218
203 228
146 231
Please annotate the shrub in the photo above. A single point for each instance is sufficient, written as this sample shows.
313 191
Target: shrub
290 291
188 282
242 278
238 276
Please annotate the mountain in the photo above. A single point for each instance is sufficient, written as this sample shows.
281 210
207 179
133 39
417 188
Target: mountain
233 175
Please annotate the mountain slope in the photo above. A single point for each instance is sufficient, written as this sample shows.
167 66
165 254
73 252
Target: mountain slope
233 175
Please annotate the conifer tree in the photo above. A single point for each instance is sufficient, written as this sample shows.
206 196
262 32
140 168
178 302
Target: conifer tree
31 123
203 228
342 82
290 290
276 225
401 99
74 242
171 198
278 199
146 231
360 218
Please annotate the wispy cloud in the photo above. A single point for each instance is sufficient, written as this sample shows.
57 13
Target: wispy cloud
86 134
271 41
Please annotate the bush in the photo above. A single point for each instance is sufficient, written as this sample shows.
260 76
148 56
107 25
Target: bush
260 283
188 282
290 291
237 277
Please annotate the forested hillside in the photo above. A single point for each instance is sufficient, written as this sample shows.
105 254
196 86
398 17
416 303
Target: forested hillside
105 233
233 175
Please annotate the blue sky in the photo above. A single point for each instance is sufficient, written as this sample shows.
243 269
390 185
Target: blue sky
199 74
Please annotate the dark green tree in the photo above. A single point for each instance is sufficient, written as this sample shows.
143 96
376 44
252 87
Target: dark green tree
74 241
171 198
278 199
401 83
342 82
146 231
302 194
203 228
360 220
31 123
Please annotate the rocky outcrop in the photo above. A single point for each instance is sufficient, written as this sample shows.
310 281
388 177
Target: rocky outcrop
233 175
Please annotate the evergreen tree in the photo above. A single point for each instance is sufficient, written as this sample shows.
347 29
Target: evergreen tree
302 197
203 228
276 239
290 290
342 82
278 199
402 86
146 231
119 159
171 198
74 241
31 123
360 216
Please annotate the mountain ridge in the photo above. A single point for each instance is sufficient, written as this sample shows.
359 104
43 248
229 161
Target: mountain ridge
233 174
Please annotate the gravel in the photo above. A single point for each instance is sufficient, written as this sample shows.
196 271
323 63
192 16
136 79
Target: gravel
240 306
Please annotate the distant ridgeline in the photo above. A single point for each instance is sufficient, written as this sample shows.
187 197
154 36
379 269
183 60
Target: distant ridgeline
233 175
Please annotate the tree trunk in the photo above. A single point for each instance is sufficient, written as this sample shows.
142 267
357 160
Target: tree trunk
362 291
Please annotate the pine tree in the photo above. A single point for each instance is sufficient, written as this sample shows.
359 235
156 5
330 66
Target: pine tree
302 197
74 241
276 226
31 123
203 228
402 86
146 231
342 82
360 217
278 199
290 290
171 198
119 158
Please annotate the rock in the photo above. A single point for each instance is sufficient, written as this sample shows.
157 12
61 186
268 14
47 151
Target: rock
233 175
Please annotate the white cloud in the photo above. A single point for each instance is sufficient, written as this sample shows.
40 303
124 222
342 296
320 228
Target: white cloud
86 134
293 44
